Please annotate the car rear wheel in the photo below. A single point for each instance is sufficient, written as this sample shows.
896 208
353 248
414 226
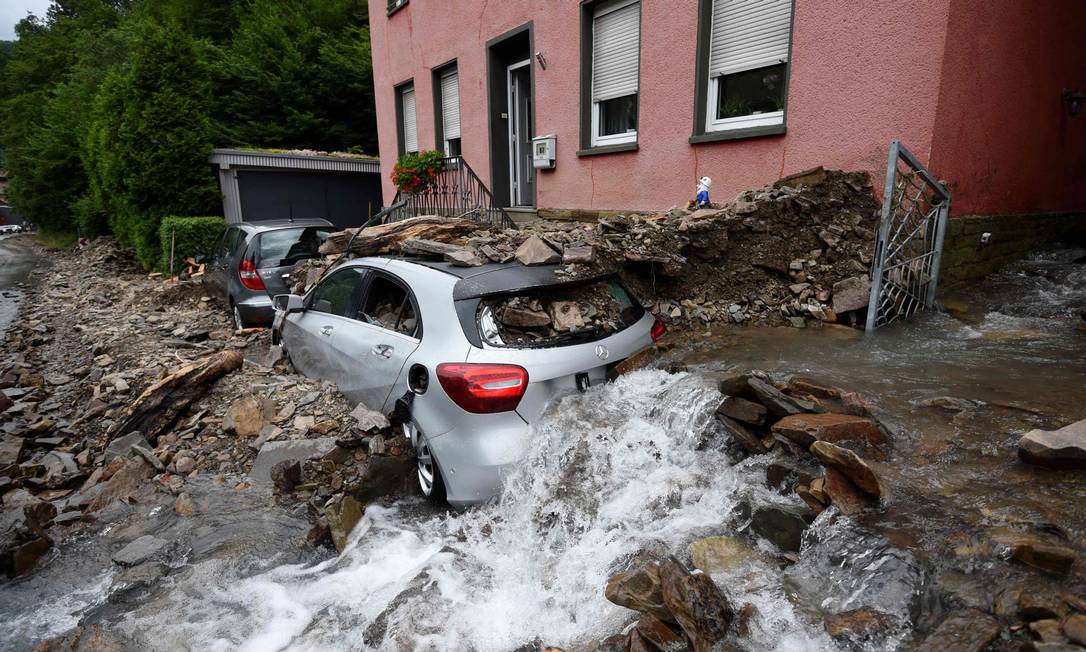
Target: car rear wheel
429 474
239 323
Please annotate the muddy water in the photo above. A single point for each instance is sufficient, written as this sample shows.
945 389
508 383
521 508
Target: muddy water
16 261
633 466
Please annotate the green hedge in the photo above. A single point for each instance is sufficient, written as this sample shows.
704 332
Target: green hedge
192 236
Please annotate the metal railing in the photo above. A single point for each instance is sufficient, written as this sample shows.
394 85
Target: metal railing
456 192
905 267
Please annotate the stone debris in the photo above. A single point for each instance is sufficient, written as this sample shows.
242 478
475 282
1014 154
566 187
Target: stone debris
1057 449
779 255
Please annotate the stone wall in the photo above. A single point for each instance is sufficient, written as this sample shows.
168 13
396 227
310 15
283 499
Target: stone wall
1013 236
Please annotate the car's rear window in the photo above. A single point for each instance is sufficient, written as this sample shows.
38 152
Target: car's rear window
284 247
557 316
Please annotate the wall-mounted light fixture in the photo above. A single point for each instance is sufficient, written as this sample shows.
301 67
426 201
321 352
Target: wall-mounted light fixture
1073 100
541 59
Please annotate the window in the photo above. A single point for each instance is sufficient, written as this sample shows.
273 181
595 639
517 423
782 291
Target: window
389 306
284 247
615 57
450 112
229 242
338 293
405 114
743 66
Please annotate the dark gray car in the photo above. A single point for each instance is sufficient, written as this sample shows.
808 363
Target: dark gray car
252 262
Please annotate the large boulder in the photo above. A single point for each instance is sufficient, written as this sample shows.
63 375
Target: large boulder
343 513
742 410
723 554
779 403
782 525
1057 449
141 550
11 450
696 603
851 465
1032 550
851 294
247 416
536 252
845 430
639 589
742 435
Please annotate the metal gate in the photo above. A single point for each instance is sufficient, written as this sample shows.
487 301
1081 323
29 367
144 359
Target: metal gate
905 267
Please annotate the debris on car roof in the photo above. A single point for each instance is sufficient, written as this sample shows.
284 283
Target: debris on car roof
776 255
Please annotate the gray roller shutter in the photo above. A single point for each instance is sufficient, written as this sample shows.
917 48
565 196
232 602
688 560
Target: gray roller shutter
616 36
410 127
450 105
749 34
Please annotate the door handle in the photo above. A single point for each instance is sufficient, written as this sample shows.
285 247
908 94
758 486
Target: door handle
326 331
382 351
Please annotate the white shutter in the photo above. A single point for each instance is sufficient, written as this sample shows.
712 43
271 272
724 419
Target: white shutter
450 105
749 34
410 128
616 36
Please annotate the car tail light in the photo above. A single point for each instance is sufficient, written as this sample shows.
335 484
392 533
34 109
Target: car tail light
249 276
483 388
658 330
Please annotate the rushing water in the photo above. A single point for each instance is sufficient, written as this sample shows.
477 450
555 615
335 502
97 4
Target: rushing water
631 466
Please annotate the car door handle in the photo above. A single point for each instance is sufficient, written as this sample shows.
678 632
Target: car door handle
382 351
326 331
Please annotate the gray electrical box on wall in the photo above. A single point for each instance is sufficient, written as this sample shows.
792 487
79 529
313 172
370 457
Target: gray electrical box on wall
543 152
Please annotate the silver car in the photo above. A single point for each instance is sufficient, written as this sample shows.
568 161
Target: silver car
423 335
252 261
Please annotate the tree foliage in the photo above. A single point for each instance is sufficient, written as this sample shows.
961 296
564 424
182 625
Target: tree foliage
109 108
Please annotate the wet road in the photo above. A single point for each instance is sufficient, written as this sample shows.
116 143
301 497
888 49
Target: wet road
17 259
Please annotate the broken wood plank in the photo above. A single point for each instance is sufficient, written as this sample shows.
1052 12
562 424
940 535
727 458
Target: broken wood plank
385 238
155 410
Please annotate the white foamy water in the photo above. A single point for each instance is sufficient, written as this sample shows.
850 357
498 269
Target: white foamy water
607 473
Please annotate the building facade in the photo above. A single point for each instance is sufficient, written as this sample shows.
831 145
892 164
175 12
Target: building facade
643 97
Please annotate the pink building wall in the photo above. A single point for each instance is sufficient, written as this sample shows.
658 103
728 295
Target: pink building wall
863 72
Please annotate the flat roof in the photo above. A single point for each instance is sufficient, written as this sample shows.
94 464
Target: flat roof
294 161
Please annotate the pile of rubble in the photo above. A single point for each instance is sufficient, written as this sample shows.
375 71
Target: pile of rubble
113 384
794 252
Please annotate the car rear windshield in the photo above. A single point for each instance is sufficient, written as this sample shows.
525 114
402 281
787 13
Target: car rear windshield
557 316
284 247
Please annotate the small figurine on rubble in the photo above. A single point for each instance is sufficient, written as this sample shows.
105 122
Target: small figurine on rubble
702 198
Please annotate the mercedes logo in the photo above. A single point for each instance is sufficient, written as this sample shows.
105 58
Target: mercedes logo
601 352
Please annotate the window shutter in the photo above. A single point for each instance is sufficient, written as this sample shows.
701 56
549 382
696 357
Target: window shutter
450 105
749 34
410 128
616 36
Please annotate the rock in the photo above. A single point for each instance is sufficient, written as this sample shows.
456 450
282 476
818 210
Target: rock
25 556
286 475
298 450
1056 449
807 386
1074 628
140 550
184 465
722 554
464 257
152 459
387 475
1032 550
733 384
696 604
742 410
798 288
949 403
1036 604
131 580
578 256
1048 630
848 498
367 420
525 318
851 465
842 429
342 513
742 436
185 505
779 403
566 315
122 485
536 252
11 450
247 416
781 525
851 294
968 630
639 589
122 446
784 476
653 635
857 625
423 247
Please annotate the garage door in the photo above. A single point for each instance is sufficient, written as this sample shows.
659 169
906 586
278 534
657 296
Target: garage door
343 198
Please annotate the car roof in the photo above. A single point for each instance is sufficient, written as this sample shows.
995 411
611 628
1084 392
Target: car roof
503 278
268 225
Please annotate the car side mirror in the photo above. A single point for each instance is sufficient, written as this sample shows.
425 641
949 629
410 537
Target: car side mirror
288 303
